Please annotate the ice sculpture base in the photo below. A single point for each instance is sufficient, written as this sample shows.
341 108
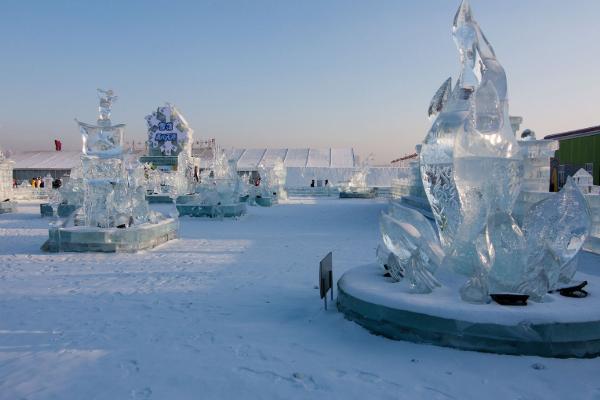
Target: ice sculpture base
111 240
265 201
7 207
358 194
63 211
208 211
561 327
158 198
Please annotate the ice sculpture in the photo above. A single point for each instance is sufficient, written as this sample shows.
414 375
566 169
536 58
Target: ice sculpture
168 132
5 178
414 249
169 158
71 192
272 180
471 167
217 194
357 186
358 181
555 230
6 185
113 194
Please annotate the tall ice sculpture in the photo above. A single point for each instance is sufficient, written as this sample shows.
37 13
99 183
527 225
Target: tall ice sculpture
472 168
169 161
114 215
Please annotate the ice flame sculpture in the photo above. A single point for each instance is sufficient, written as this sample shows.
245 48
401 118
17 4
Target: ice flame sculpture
471 168
113 191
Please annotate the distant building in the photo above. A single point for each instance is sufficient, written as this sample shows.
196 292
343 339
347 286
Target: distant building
578 149
57 164
30 164
303 164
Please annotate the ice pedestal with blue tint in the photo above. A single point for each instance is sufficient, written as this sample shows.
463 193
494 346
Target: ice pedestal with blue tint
560 327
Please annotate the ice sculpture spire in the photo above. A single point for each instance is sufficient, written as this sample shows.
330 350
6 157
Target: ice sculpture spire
452 106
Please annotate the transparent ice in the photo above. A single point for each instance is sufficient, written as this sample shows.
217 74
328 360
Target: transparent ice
472 172
112 186
358 180
555 229
272 180
411 239
169 135
219 185
71 192
6 178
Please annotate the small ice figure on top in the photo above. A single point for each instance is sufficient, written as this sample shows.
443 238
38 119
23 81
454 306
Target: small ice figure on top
103 140
107 98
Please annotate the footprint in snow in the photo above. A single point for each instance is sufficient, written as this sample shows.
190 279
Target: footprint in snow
141 394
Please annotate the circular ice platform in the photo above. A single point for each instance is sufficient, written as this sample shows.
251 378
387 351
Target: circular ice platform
559 327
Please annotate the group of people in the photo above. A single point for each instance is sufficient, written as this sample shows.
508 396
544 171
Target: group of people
37 182
40 183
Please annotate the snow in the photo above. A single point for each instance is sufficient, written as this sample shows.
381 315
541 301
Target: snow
230 310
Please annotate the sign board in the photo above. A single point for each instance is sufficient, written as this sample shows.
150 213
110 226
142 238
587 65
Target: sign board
168 132
326 277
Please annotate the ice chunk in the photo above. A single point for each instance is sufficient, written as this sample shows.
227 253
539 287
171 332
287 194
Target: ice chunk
418 253
556 229
507 251
440 98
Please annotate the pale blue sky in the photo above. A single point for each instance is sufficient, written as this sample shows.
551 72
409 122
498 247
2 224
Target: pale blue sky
284 73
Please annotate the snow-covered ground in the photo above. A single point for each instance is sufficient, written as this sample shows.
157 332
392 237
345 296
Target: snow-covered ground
231 310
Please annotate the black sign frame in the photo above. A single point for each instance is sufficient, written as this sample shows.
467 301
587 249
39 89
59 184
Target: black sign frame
326 277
